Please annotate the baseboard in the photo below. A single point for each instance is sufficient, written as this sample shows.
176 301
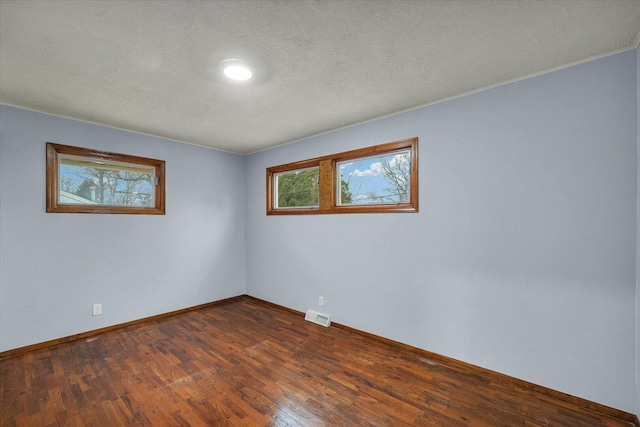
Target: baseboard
83 335
519 384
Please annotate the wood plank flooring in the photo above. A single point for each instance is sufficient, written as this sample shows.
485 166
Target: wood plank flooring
246 363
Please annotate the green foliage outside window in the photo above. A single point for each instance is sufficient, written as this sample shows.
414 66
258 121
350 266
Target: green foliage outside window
298 189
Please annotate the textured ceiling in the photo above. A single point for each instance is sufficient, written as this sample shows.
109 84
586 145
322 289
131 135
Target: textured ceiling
153 66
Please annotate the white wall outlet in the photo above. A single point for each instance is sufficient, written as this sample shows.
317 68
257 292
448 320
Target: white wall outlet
321 301
97 309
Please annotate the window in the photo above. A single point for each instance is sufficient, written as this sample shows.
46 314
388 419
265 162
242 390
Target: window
297 188
378 180
81 180
383 178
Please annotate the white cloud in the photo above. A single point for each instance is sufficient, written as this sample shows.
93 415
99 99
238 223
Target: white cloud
400 159
374 170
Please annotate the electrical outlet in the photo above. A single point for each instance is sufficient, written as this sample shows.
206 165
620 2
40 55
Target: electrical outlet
97 309
321 301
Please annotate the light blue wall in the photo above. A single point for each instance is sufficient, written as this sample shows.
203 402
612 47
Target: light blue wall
522 257
638 244
53 267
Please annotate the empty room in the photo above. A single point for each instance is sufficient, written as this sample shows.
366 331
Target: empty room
319 213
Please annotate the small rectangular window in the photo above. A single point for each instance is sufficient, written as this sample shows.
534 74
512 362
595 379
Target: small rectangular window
297 188
382 178
81 180
84 180
378 180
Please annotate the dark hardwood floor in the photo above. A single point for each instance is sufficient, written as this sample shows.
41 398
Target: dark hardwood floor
247 363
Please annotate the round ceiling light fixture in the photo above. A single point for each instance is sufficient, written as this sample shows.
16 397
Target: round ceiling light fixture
236 69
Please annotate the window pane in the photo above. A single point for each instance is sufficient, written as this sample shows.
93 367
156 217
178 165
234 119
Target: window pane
377 180
89 181
297 189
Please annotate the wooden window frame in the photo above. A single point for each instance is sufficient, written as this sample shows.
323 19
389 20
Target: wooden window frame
54 205
328 182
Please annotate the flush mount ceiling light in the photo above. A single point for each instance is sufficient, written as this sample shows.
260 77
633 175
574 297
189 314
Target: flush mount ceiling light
236 69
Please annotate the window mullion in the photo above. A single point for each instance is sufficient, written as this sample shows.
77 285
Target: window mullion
326 185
